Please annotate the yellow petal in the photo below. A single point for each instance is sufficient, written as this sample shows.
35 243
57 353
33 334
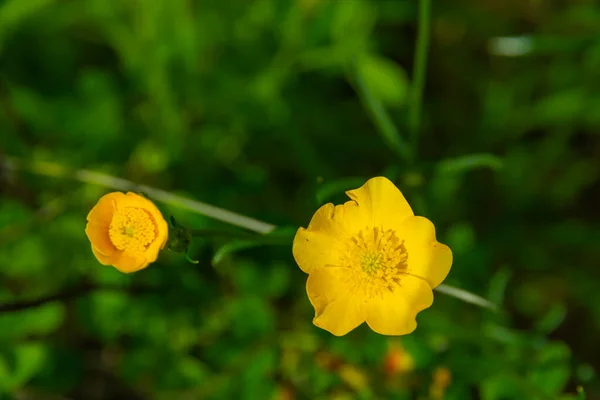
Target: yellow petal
321 243
426 257
124 262
99 219
333 293
104 259
162 235
97 233
394 313
381 202
137 201
129 263
103 211
151 253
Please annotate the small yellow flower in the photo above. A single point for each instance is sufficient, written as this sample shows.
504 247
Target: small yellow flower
126 231
370 259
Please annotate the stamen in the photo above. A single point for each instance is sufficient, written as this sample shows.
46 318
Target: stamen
379 256
132 229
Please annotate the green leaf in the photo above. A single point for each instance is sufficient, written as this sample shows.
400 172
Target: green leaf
498 284
186 371
14 12
40 320
560 107
280 236
233 247
263 363
501 387
28 256
386 80
502 334
472 161
552 371
385 126
29 359
552 319
352 23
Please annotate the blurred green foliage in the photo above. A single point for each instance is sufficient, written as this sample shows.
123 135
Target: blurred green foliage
252 106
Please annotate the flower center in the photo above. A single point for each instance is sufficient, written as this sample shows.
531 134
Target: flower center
132 229
371 261
378 256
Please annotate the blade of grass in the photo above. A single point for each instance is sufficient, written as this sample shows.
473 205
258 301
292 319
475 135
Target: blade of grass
467 297
419 69
469 162
386 128
112 182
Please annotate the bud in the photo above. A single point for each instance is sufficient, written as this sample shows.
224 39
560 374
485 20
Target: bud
179 237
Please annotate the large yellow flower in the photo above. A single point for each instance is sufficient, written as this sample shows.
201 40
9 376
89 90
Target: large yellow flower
126 231
370 259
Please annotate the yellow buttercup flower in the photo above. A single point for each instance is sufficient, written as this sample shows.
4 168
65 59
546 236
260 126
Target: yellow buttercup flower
370 259
127 231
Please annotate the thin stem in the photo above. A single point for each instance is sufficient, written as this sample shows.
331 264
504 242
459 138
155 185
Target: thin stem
252 237
221 233
86 176
112 182
419 70
467 297
381 118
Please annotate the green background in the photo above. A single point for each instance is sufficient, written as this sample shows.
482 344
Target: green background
251 105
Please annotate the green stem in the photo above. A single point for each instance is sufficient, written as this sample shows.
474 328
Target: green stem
83 175
467 297
419 70
267 239
381 118
221 233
